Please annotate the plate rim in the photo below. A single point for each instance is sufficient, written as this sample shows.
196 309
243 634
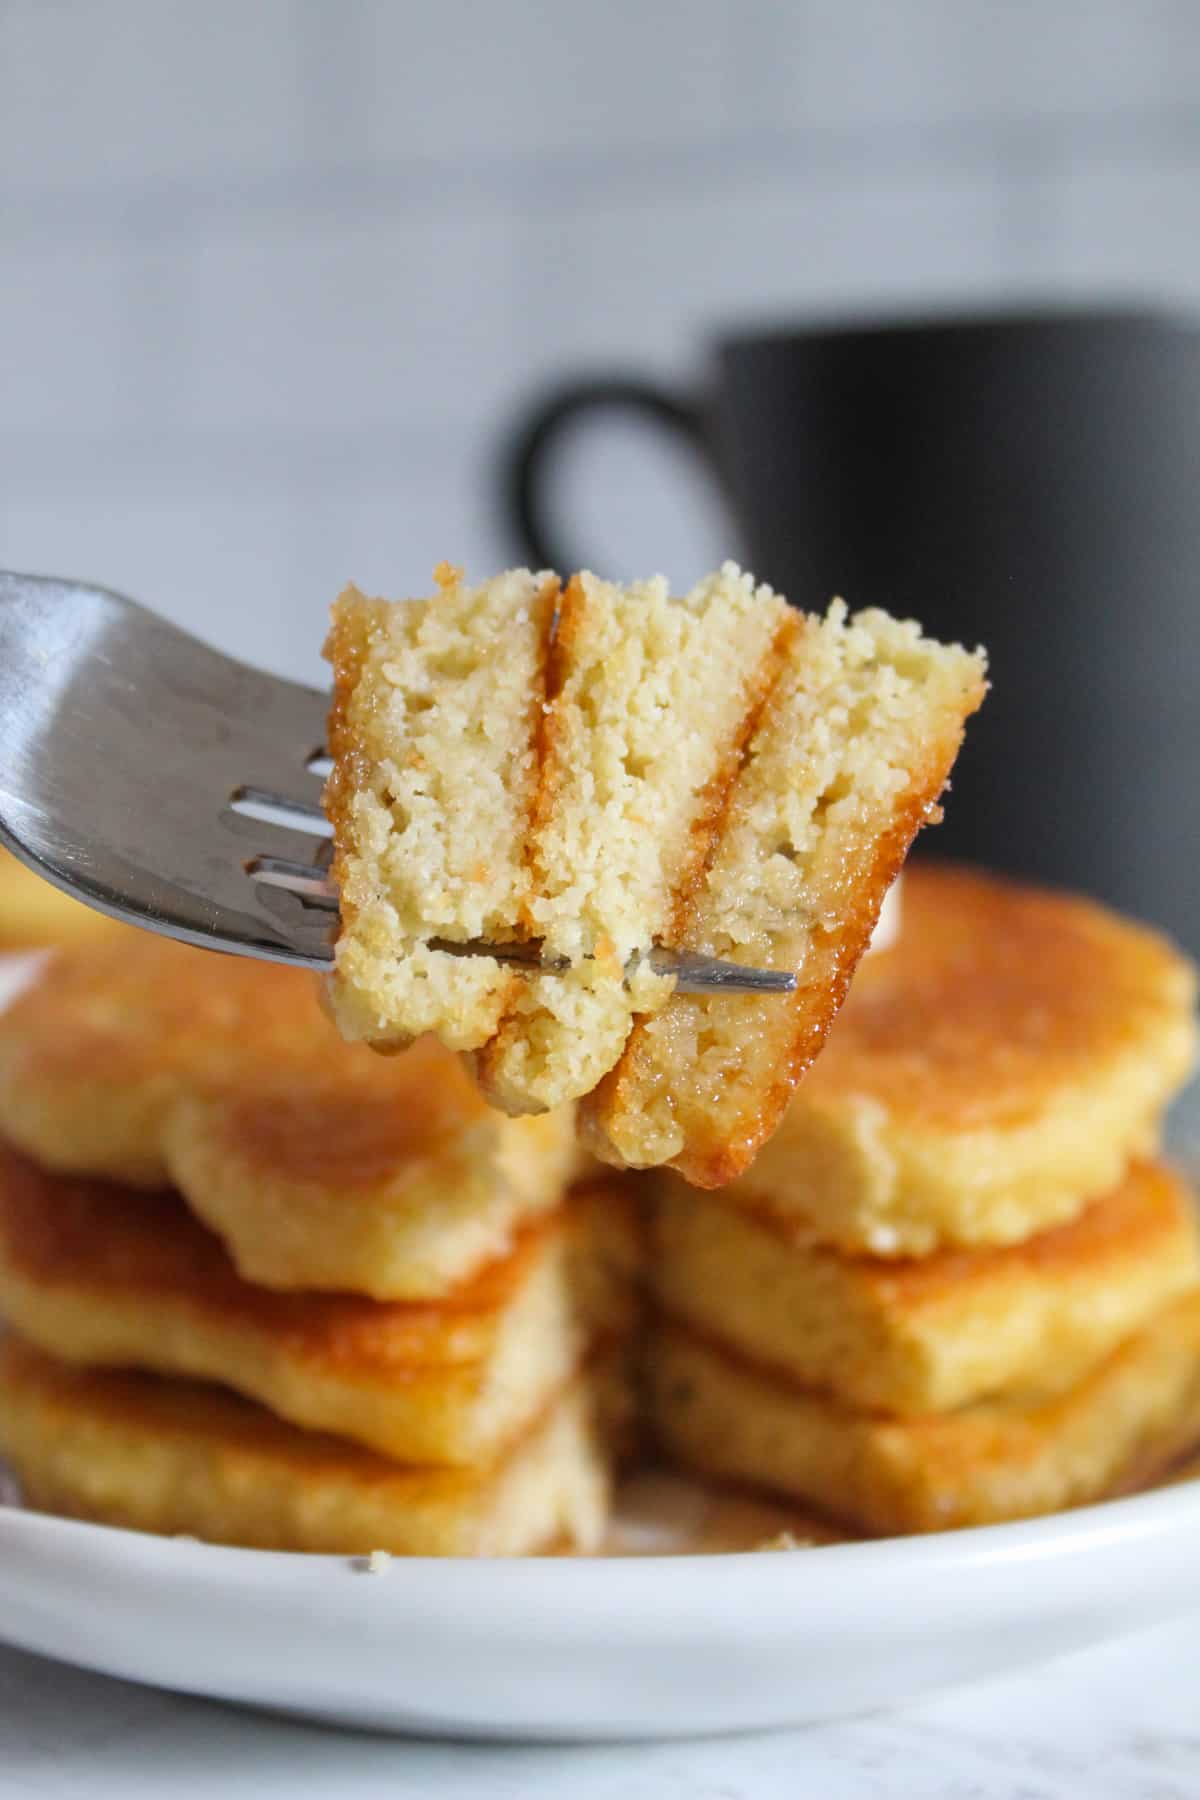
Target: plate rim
588 1649
1075 1530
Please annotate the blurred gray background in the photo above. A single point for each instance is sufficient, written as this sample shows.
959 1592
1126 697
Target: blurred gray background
276 276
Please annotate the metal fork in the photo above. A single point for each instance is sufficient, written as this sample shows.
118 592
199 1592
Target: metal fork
174 788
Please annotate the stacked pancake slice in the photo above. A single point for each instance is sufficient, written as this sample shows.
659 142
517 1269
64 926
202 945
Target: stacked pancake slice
959 1285
587 773
267 1288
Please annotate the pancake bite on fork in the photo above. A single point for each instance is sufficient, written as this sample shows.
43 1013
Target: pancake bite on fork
592 772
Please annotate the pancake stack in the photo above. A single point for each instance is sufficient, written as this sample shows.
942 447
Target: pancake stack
959 1285
271 1289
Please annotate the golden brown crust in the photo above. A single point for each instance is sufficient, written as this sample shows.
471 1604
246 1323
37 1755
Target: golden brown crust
351 1126
179 1457
138 1003
558 643
100 1275
545 731
1145 1210
927 1334
321 1164
345 649
994 994
818 1002
717 796
1135 1411
93 1053
90 1236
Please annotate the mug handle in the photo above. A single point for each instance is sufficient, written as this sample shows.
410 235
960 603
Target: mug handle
531 448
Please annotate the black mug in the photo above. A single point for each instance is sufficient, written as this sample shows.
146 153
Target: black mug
1029 482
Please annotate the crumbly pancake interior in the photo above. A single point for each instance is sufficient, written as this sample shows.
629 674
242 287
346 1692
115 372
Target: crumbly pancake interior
433 740
650 702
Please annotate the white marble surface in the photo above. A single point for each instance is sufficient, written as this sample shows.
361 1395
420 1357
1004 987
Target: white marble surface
1120 1721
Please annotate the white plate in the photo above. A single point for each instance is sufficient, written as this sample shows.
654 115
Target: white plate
623 1647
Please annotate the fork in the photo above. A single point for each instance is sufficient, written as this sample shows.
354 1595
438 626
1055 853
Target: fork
175 788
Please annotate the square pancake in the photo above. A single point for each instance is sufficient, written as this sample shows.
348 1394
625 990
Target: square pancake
993 1069
926 1334
1028 1453
95 1274
716 772
147 1063
844 764
177 1457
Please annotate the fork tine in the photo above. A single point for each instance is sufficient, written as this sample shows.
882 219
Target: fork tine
694 973
270 807
307 880
697 974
